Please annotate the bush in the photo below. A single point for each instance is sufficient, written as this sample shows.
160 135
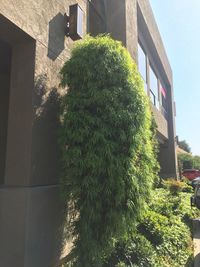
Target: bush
170 237
163 237
137 251
107 146
154 227
176 248
174 186
169 205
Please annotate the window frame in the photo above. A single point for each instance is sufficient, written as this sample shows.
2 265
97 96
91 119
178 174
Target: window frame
140 47
156 100
145 79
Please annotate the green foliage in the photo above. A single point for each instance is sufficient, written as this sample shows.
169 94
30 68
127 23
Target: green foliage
151 227
163 237
185 161
108 152
185 146
169 236
155 146
135 251
175 187
196 162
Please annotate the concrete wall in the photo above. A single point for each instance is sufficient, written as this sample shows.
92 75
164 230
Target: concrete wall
5 55
116 17
31 211
162 124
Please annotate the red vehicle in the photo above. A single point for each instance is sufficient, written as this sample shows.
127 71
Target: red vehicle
191 174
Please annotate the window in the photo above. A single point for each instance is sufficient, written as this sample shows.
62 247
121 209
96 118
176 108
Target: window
154 87
163 92
142 65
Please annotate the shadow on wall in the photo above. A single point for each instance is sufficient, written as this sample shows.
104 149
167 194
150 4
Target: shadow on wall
196 261
46 156
46 163
97 17
57 27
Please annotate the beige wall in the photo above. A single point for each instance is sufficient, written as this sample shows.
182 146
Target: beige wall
30 204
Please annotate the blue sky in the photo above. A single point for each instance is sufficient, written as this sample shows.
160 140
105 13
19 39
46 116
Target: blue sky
179 25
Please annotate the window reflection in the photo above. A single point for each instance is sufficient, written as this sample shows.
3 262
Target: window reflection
163 92
157 91
142 63
154 87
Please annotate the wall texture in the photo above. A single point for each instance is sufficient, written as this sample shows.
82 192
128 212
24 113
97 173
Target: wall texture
31 211
5 55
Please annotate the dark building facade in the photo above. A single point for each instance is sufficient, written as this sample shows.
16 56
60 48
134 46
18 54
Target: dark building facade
33 48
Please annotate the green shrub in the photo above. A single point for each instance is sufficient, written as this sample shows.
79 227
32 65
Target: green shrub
107 146
175 248
154 227
170 237
163 238
174 186
136 251
167 204
164 203
121 264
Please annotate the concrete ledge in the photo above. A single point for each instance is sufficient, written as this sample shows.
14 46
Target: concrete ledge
161 122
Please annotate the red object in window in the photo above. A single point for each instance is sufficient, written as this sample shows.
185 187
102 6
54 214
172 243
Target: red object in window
163 91
191 174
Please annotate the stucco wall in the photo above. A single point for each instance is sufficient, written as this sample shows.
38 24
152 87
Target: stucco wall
162 124
30 206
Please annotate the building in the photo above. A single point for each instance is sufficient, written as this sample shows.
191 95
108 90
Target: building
33 48
133 23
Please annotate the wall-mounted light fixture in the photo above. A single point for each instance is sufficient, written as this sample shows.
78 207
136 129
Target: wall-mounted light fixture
75 22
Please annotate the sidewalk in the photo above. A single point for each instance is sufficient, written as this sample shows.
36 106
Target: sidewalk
196 240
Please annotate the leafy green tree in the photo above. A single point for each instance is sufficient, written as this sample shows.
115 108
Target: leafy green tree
107 146
185 146
185 161
196 162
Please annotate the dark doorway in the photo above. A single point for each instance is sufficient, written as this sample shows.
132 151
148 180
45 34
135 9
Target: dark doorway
5 68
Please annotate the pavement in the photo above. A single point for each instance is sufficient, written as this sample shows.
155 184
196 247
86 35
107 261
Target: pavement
196 241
